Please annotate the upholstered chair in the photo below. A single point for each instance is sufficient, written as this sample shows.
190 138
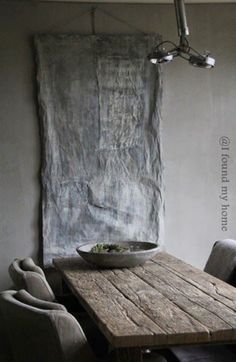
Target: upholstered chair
221 264
222 261
42 331
27 275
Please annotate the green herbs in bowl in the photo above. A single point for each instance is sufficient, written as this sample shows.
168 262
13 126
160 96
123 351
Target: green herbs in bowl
109 248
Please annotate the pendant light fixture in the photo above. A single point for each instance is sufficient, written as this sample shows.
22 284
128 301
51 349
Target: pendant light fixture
160 55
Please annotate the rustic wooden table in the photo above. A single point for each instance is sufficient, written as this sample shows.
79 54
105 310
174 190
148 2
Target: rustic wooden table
163 303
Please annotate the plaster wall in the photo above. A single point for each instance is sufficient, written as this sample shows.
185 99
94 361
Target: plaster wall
198 108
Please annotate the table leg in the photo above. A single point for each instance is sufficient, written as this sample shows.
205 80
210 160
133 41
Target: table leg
129 355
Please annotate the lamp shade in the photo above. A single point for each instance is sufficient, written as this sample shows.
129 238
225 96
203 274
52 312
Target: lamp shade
202 61
160 57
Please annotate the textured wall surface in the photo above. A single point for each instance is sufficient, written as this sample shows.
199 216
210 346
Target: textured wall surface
198 108
102 172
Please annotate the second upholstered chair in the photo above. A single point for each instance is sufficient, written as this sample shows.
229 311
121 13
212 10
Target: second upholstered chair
27 275
221 264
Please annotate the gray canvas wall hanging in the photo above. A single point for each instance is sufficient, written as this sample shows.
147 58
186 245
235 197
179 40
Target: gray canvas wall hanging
102 173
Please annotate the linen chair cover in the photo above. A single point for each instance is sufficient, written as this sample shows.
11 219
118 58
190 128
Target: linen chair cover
27 275
222 261
42 331
221 264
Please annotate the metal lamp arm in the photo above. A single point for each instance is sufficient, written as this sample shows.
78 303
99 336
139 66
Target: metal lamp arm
181 19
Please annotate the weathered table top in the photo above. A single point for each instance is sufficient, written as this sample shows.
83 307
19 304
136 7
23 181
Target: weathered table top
162 303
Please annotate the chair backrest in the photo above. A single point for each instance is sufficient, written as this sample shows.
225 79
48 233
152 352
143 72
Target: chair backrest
42 331
27 275
222 261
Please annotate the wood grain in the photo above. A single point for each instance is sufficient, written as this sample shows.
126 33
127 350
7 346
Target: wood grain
158 307
119 319
166 302
218 289
191 300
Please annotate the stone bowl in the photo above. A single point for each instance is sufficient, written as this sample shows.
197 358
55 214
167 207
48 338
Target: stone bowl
140 252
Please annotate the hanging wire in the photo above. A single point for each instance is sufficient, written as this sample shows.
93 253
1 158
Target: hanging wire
195 51
121 21
70 20
91 11
165 42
